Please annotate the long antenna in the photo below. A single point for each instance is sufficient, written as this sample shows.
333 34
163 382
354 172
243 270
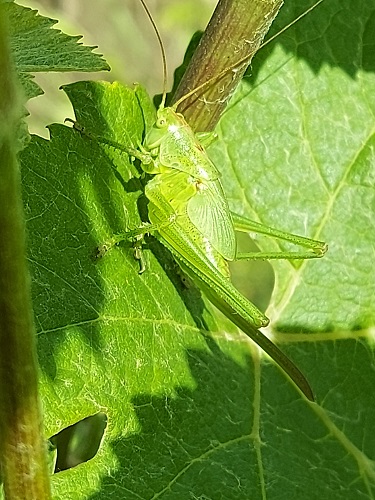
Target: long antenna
290 24
163 56
243 59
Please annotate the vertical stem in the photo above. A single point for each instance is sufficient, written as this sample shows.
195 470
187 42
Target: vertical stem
234 33
22 459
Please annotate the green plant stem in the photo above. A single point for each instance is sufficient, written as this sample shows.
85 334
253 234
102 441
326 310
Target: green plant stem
23 460
234 33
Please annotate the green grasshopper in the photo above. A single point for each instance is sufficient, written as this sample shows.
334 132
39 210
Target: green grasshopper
189 214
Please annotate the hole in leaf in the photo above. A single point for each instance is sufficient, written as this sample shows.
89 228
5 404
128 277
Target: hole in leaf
77 443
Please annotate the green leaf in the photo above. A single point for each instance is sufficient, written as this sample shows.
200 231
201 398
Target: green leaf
194 411
296 151
37 47
299 148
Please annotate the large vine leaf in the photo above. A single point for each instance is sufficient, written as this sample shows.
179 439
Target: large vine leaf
297 152
319 182
193 409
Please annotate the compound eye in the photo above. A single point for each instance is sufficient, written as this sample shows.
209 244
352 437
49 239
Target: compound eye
161 122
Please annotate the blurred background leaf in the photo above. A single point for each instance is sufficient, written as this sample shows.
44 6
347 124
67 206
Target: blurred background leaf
124 35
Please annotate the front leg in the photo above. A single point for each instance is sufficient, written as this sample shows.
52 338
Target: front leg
141 154
206 138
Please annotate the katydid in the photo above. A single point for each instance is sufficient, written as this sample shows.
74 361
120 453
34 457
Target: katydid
189 213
